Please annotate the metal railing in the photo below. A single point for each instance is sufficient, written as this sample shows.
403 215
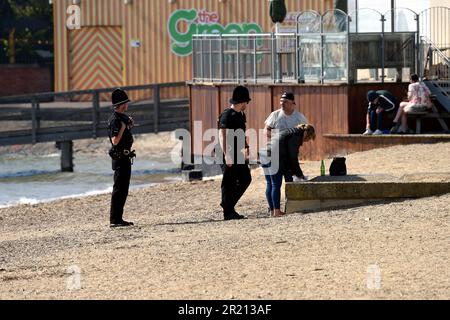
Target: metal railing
333 47
435 63
266 58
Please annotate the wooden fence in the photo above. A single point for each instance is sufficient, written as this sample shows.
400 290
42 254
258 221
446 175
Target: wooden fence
32 119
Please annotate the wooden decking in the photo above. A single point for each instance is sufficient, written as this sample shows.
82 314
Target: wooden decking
337 111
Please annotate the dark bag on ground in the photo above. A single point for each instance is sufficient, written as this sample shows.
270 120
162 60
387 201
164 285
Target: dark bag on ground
338 167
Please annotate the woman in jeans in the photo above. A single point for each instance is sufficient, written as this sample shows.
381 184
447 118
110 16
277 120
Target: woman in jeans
280 157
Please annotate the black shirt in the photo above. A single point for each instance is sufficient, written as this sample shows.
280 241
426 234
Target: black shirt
114 125
234 120
386 101
291 140
286 143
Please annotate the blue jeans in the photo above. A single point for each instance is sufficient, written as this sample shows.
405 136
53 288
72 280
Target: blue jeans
273 190
376 120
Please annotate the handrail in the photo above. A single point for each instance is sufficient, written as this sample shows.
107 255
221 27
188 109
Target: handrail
225 35
436 49
36 112
44 95
239 35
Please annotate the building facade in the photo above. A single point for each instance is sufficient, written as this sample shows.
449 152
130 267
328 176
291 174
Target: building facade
124 42
134 42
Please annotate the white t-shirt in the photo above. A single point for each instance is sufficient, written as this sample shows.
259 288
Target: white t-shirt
279 120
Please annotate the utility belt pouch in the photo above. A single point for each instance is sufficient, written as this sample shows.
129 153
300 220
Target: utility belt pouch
115 153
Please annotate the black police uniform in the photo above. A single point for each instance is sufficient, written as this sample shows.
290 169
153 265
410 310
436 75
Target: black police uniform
236 178
121 167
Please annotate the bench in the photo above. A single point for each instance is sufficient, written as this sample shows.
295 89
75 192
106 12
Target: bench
434 114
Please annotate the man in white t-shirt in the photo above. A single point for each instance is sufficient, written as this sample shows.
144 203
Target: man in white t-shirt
285 118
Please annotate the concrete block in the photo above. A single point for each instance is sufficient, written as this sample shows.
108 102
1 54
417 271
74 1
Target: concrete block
333 192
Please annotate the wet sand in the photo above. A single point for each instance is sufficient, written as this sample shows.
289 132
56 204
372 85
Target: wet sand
181 248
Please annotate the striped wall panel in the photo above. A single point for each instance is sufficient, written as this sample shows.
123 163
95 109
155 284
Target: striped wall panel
101 12
146 21
96 58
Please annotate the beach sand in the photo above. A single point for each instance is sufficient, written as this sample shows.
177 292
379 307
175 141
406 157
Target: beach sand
181 248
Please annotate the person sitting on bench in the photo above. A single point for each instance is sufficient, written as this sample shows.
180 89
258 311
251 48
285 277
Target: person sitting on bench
380 102
418 101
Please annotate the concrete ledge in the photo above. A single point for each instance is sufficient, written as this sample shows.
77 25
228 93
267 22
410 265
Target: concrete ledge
293 206
431 137
328 192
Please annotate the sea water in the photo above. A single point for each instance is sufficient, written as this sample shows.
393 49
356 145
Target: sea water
31 179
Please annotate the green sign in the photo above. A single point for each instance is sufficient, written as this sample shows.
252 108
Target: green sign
201 22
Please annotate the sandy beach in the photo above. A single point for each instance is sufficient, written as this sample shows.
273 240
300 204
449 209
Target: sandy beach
181 249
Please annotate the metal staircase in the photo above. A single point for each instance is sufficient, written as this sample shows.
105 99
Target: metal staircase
436 71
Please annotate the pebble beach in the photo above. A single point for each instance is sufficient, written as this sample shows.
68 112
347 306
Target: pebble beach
181 248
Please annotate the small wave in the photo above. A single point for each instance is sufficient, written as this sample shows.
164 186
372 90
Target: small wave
173 179
156 171
51 155
27 173
23 200
33 201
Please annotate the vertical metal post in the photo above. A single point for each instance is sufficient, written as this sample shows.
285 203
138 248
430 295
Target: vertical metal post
296 58
210 60
156 105
255 73
301 77
298 50
322 60
95 114
221 58
383 20
418 49
238 59
273 49
322 48
194 57
348 51
392 15
279 65
201 59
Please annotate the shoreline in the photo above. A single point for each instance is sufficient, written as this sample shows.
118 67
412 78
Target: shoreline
28 168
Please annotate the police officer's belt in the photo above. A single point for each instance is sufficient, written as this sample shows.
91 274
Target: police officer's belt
117 154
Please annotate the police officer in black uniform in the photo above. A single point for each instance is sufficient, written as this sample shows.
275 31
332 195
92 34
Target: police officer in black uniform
236 172
119 126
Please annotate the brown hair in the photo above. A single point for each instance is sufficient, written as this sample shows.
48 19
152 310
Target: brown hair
309 131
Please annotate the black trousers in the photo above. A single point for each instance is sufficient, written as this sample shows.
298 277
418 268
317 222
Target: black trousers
122 175
235 182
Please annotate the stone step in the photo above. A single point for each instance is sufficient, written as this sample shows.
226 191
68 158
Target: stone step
334 192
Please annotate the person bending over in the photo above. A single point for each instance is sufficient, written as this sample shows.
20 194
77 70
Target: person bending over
280 157
380 103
